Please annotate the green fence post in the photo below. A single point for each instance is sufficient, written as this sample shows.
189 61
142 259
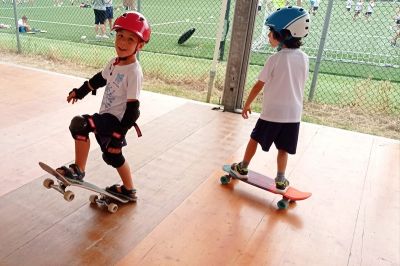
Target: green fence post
320 49
16 26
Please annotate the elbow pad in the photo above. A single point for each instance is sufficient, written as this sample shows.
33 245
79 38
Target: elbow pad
97 81
131 114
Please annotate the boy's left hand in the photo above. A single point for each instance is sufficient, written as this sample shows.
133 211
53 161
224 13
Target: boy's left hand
246 111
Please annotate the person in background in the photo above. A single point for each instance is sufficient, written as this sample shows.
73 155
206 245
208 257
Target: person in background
396 27
100 17
358 9
110 14
349 4
23 25
370 9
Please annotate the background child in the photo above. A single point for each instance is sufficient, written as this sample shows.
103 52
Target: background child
100 17
358 8
314 6
282 79
119 109
23 25
349 4
396 27
110 14
370 9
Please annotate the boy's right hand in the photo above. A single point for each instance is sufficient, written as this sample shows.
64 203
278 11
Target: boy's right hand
246 111
72 97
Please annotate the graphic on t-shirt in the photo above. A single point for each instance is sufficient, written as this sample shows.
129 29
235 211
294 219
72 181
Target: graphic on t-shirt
108 96
119 78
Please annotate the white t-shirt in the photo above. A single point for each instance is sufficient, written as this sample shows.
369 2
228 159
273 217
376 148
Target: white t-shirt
109 3
123 83
284 74
370 7
21 23
359 6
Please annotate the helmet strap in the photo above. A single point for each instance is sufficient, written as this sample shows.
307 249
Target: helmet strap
281 43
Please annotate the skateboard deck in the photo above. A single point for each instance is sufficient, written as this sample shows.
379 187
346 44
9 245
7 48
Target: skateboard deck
264 182
186 35
102 197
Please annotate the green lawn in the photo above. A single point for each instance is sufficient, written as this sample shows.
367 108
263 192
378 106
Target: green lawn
359 66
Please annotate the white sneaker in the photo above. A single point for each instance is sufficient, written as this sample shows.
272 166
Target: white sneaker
98 36
105 36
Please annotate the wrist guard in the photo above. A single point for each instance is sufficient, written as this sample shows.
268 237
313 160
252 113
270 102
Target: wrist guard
82 91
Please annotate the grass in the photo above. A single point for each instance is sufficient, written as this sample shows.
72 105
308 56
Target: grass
346 117
357 48
356 78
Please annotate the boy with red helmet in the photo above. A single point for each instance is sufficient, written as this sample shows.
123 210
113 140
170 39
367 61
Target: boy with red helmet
122 78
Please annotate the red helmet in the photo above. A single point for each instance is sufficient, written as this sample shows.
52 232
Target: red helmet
134 22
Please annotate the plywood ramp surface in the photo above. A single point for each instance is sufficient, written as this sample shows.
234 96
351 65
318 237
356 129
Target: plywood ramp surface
35 117
184 216
343 223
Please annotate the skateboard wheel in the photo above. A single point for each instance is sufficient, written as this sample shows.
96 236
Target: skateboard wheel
225 179
93 198
283 204
47 183
69 195
112 207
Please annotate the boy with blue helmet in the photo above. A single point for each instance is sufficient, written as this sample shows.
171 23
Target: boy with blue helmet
282 80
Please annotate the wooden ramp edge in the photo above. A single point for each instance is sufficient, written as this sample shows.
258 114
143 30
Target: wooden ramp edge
238 224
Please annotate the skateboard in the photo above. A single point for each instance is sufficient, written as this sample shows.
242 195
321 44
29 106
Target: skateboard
186 35
102 198
268 184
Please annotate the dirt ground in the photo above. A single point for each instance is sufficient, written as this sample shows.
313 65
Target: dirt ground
345 118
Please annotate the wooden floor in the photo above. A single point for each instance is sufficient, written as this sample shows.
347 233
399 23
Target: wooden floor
184 216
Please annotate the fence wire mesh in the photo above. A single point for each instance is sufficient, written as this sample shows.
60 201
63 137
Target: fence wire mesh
359 67
360 62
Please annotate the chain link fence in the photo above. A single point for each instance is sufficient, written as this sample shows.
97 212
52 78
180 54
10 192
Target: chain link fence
358 66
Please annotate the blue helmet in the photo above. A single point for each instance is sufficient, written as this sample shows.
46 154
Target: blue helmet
292 18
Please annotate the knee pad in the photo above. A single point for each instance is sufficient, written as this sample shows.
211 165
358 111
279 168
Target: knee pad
80 128
114 159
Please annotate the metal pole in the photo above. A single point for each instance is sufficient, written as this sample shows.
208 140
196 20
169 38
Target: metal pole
320 50
225 33
218 38
138 10
16 26
239 53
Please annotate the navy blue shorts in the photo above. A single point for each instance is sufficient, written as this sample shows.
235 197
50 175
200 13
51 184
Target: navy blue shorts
109 12
283 135
99 16
105 126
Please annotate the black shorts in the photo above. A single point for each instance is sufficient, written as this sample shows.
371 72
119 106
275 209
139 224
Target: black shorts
283 135
99 16
105 126
109 12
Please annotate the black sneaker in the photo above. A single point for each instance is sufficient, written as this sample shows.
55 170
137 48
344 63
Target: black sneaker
73 173
122 192
282 184
238 171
